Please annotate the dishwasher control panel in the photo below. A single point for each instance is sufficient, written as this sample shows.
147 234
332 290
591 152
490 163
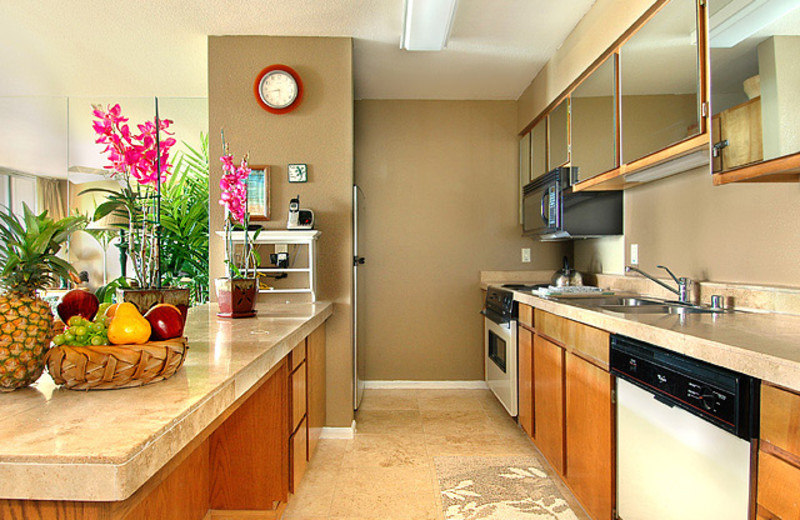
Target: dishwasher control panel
713 393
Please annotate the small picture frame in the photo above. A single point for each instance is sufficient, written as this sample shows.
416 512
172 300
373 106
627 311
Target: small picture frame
258 193
297 172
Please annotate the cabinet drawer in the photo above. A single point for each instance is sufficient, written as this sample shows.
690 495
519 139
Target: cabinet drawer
298 455
526 315
778 488
297 381
780 418
577 337
297 355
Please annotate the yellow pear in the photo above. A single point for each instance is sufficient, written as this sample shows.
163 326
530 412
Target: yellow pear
128 327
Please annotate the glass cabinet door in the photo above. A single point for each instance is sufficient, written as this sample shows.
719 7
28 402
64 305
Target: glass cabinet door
593 119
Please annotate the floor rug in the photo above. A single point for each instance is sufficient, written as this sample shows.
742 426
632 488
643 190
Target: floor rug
498 488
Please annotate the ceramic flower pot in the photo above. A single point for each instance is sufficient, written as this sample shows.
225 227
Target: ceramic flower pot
144 299
236 297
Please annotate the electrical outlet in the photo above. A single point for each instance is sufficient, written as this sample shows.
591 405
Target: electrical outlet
634 254
526 255
281 248
280 260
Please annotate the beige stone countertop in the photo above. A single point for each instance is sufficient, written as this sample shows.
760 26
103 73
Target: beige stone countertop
762 345
58 444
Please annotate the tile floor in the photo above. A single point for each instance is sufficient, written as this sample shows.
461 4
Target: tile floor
386 471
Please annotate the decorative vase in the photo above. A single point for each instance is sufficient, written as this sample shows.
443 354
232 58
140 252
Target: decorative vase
236 297
144 299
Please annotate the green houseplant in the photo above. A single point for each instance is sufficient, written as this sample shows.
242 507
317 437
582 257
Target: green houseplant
28 254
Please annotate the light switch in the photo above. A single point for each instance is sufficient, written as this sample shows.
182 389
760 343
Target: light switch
634 254
526 255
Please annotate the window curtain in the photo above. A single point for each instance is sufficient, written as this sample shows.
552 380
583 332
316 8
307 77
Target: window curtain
52 193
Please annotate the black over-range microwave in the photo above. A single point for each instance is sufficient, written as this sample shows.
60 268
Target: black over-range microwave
552 211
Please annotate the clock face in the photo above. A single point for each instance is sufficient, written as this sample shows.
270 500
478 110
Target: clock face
278 89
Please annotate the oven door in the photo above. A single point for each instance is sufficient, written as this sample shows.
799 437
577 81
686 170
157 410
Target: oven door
500 358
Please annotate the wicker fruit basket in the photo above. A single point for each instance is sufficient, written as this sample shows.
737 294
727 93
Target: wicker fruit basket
115 366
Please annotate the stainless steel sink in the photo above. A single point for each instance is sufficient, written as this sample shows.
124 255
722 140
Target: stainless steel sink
637 305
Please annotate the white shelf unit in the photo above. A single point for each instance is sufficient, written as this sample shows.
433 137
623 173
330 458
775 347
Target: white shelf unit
303 237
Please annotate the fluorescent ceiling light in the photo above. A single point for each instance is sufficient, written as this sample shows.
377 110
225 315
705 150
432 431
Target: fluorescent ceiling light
671 167
426 24
741 19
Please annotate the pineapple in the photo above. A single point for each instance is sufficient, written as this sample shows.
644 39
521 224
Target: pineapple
28 263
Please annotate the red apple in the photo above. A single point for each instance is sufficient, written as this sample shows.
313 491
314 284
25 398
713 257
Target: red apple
166 322
78 302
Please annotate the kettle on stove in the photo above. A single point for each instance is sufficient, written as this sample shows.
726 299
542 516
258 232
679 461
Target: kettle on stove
566 276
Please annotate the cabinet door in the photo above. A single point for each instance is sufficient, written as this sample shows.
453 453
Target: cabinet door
590 438
778 488
741 127
548 394
525 417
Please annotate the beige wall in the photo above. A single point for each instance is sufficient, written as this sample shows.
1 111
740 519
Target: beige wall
440 186
320 134
735 233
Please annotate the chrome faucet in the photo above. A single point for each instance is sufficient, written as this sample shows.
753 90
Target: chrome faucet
683 283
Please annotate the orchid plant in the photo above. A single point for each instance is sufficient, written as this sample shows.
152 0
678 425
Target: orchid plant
233 185
140 161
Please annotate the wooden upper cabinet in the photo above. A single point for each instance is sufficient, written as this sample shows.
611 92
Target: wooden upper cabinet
593 123
754 83
539 149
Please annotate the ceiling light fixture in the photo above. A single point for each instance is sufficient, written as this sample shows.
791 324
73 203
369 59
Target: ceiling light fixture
427 24
741 19
665 169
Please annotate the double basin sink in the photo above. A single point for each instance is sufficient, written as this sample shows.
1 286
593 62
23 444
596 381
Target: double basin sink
637 305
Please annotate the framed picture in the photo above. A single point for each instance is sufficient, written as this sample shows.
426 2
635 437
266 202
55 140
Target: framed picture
298 172
258 192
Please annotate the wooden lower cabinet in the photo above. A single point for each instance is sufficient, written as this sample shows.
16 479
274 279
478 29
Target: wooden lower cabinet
316 387
590 436
548 373
525 381
298 454
778 496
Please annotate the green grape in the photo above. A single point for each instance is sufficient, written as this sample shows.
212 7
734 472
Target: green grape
79 331
101 311
98 327
97 340
59 339
74 321
69 337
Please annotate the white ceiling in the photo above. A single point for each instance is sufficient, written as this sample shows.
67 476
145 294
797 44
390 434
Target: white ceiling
158 47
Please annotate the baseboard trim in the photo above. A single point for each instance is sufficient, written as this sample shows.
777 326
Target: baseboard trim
463 385
329 432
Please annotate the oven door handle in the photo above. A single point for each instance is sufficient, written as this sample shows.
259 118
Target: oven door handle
496 317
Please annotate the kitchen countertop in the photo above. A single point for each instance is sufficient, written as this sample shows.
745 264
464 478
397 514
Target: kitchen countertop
762 345
58 444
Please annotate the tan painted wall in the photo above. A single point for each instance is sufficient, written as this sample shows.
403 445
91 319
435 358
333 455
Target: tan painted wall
738 233
440 185
320 134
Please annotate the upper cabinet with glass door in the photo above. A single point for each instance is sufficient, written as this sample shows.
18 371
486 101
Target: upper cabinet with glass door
755 90
593 123
662 94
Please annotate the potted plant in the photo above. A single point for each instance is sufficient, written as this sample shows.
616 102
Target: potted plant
28 256
236 293
140 161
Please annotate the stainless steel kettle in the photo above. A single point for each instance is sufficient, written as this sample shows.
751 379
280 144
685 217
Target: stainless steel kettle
566 276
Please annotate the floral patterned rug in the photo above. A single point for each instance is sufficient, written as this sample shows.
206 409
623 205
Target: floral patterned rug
498 488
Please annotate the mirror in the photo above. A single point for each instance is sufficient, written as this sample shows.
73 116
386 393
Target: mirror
539 149
660 82
48 156
592 108
559 135
755 81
